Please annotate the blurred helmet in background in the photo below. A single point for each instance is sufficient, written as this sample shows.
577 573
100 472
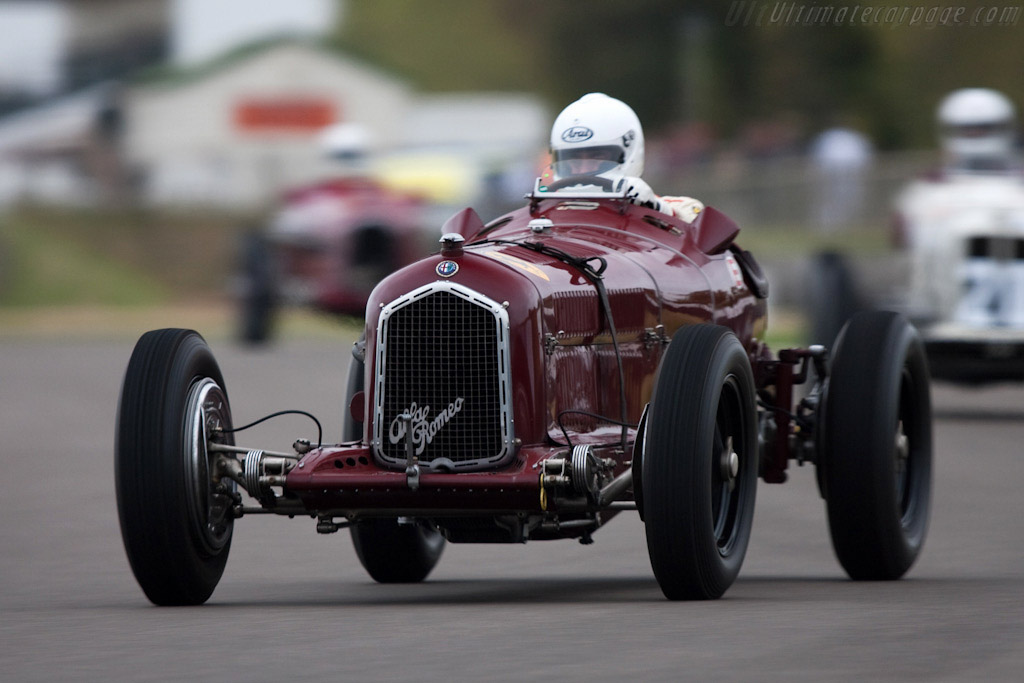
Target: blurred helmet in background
597 135
347 142
977 128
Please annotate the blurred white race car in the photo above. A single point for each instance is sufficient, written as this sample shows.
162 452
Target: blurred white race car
965 240
962 231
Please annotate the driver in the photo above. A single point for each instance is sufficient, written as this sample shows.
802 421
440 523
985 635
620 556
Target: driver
977 131
600 136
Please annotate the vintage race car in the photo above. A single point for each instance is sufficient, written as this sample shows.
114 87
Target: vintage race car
578 358
965 239
959 278
326 248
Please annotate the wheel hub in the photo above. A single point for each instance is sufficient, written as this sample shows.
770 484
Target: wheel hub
729 464
900 462
206 411
902 447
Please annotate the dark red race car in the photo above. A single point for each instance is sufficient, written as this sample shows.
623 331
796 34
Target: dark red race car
575 359
326 248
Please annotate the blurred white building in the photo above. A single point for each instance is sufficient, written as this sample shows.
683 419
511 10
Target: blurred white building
237 131
224 102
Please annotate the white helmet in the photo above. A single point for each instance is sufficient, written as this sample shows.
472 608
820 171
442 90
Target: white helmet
977 127
345 141
597 135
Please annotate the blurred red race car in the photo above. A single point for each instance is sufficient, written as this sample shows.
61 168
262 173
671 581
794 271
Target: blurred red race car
326 248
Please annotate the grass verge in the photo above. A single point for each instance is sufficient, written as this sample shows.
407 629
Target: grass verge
115 258
41 266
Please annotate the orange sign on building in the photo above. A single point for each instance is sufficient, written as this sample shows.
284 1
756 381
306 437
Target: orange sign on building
291 115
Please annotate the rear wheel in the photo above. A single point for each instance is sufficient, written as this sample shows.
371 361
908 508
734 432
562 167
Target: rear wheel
699 466
176 519
397 553
877 446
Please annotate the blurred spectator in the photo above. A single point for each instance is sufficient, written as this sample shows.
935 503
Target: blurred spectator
841 158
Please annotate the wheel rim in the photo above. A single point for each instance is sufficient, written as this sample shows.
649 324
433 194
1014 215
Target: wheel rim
728 453
209 502
904 466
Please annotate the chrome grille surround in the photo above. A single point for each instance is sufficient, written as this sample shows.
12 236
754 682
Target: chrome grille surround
445 348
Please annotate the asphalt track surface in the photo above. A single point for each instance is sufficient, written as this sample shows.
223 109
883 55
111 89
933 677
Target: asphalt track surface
294 605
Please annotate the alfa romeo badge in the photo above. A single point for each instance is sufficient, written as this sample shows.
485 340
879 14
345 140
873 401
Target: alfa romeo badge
447 268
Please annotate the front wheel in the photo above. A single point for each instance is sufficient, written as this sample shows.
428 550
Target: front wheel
258 298
699 466
877 446
176 519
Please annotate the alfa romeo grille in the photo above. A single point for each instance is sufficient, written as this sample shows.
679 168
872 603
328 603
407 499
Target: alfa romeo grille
443 358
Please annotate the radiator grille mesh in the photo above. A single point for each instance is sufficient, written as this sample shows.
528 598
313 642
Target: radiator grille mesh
443 357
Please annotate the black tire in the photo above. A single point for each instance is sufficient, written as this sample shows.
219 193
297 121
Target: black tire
175 522
877 446
832 297
259 296
397 553
698 513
